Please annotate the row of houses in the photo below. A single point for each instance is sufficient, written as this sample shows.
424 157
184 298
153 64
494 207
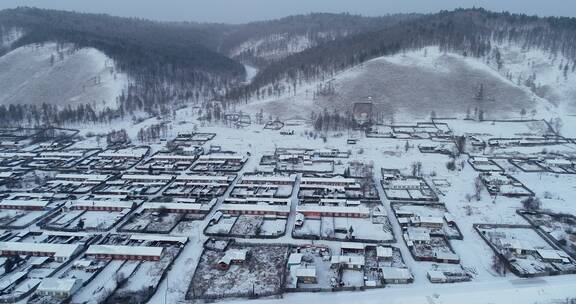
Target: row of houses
64 252
73 183
167 162
205 186
318 211
114 160
219 162
60 252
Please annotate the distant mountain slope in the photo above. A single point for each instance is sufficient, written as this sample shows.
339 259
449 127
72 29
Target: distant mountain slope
180 61
260 43
168 63
470 32
59 75
415 85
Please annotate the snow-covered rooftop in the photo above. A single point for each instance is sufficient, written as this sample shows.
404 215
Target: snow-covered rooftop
334 209
59 250
24 203
58 285
85 177
256 208
124 250
396 273
159 238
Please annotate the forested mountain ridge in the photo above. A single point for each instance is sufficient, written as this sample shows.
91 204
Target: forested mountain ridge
171 64
203 45
168 63
471 32
129 41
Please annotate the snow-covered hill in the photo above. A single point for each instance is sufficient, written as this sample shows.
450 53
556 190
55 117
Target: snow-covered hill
57 74
418 84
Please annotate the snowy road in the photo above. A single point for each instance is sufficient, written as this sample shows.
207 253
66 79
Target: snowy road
538 290
397 230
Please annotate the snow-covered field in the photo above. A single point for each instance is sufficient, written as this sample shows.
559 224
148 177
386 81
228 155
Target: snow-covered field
56 74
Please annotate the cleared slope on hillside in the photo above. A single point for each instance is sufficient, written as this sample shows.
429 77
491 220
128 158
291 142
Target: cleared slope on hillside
412 85
9 36
38 74
272 47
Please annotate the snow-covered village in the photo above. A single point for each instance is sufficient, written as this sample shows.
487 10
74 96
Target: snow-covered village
210 211
400 168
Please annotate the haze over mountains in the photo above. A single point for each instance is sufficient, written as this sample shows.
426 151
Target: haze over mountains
451 63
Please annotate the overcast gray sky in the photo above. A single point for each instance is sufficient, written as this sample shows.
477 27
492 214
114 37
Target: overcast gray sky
238 11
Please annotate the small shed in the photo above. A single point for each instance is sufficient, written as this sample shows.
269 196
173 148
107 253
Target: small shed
294 259
384 253
447 257
436 276
59 288
348 247
306 275
232 256
395 275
